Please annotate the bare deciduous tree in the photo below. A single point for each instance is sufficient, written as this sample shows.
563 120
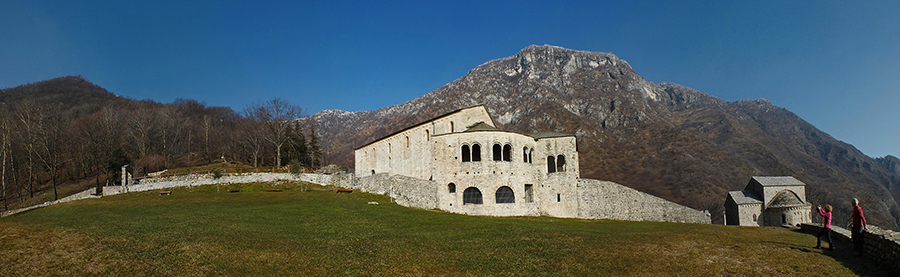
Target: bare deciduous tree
275 116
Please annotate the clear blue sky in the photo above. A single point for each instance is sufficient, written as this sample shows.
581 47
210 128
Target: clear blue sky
834 63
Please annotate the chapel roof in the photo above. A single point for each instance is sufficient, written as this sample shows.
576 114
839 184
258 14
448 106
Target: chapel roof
786 198
744 197
778 181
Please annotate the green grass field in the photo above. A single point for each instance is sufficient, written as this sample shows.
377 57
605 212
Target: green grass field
207 231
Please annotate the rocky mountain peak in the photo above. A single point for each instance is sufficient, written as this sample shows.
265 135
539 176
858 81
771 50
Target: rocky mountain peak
665 139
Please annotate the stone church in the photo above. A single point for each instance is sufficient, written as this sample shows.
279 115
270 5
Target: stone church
461 162
768 201
485 171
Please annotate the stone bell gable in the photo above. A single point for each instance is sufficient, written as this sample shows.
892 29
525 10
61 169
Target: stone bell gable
768 201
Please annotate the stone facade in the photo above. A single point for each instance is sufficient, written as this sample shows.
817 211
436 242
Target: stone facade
768 201
471 167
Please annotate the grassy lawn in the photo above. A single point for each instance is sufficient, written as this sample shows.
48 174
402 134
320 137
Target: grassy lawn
318 232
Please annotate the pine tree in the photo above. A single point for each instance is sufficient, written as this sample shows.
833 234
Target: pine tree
314 151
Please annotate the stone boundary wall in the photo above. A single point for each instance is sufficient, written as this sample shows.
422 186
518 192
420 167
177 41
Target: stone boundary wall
207 179
78 196
609 200
881 245
187 181
405 191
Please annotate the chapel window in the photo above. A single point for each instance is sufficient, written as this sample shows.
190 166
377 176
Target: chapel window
504 195
466 155
476 153
507 153
561 163
497 150
472 196
530 152
451 188
551 164
451 126
525 154
407 142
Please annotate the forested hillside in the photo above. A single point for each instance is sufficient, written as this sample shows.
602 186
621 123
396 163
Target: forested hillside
67 132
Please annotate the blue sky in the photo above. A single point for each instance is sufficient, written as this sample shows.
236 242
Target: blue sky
836 64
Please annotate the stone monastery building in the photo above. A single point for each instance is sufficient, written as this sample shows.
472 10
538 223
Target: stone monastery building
768 201
461 162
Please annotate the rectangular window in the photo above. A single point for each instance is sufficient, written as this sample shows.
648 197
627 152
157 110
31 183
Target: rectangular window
529 195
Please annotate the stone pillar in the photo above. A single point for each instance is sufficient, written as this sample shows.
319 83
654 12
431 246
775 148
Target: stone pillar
126 178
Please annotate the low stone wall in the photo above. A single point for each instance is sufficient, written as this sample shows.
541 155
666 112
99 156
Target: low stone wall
880 244
188 181
405 191
608 200
78 196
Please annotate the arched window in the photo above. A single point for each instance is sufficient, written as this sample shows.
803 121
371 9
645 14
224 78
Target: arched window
754 217
507 153
476 153
466 155
525 154
551 165
451 126
407 142
472 196
451 187
373 172
560 163
504 195
497 150
427 135
530 152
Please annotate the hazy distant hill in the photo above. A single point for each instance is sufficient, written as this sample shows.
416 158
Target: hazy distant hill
77 94
666 139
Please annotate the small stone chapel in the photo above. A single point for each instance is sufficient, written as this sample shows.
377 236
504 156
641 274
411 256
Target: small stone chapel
768 201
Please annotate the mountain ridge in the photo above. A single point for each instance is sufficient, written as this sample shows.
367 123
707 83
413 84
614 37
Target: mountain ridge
665 139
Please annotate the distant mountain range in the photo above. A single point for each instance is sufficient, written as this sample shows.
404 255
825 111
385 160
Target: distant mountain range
665 139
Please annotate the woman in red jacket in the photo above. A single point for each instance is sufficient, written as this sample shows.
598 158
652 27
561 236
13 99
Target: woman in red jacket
826 230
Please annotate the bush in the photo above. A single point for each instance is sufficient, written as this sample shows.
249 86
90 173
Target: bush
217 173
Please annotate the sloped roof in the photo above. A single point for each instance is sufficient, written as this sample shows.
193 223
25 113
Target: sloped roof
745 197
543 135
481 126
427 121
785 198
778 181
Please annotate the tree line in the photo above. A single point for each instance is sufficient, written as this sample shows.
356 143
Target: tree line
45 144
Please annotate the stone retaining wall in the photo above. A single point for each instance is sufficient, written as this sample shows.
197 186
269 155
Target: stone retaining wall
608 200
880 244
405 191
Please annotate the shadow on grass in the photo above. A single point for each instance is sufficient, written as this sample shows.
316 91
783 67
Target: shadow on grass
843 253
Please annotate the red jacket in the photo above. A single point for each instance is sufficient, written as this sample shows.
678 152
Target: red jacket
858 218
